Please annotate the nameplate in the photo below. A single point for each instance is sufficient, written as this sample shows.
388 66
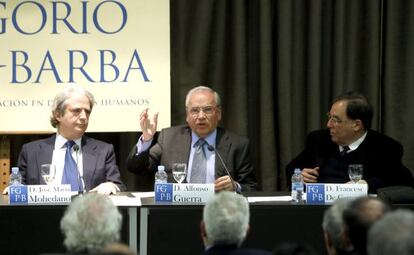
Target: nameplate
183 193
319 193
40 194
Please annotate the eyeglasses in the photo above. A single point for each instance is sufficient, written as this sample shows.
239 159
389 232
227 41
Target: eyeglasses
208 110
335 120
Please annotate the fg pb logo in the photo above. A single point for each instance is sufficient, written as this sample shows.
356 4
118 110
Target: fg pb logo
163 192
18 194
315 193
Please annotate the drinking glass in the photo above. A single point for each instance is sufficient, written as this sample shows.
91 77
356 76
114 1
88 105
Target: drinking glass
355 172
48 172
179 171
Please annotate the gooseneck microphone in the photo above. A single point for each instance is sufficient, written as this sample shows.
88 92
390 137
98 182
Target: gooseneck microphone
80 184
211 148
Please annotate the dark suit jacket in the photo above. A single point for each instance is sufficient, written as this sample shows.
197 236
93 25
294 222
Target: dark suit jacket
379 154
233 250
173 145
99 163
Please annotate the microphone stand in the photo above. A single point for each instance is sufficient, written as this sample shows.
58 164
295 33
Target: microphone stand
212 148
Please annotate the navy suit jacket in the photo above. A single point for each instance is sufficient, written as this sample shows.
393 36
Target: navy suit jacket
379 154
99 163
173 145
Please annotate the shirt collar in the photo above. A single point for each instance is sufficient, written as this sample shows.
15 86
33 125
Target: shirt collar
210 139
61 141
353 146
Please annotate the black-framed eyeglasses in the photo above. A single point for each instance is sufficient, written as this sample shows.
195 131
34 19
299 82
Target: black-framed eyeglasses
335 120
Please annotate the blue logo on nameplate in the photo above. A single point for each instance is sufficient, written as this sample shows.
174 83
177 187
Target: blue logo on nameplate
163 192
315 193
18 194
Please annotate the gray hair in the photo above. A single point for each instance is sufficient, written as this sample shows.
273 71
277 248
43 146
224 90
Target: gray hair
90 223
333 223
200 89
61 98
393 234
226 218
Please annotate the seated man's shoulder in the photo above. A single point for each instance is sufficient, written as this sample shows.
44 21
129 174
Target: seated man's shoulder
382 139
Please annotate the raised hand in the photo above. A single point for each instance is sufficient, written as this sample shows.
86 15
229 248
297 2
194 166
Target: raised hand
148 126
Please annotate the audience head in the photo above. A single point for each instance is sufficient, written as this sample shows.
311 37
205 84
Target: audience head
359 216
225 219
393 234
90 223
70 111
333 228
203 110
349 117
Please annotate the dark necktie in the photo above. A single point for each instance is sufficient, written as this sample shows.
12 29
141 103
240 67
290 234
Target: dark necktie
70 170
199 165
345 149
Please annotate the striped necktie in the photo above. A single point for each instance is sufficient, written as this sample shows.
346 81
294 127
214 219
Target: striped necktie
199 165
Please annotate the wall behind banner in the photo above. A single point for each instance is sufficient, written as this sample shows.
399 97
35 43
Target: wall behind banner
117 49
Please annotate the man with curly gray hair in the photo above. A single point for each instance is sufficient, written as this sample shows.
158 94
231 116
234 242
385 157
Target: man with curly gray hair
90 223
85 163
225 224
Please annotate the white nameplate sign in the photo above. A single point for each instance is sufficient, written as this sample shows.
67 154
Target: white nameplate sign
40 194
183 193
321 193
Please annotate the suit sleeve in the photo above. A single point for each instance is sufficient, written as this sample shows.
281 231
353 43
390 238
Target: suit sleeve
245 174
22 163
146 162
112 170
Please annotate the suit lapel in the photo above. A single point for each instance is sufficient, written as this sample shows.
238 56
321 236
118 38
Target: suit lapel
45 152
223 144
88 160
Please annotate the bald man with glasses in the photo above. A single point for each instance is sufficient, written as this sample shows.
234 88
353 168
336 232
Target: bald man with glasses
206 148
347 140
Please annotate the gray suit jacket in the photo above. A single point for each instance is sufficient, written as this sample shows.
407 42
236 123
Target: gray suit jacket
99 163
173 145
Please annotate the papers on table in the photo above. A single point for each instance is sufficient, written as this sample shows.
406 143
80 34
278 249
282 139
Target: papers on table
131 199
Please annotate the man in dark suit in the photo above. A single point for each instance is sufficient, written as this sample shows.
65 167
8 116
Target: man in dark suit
95 164
349 140
179 145
225 225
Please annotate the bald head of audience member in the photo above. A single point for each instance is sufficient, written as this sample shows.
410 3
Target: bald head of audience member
333 227
359 216
225 219
393 234
90 223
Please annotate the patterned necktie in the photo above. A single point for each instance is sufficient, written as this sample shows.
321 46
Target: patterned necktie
70 170
345 149
199 166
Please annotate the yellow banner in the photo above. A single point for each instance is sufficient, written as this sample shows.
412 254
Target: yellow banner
119 50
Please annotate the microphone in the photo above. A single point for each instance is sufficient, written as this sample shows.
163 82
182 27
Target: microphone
211 148
80 184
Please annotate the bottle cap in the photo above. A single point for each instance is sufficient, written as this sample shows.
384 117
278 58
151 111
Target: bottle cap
297 170
161 168
15 170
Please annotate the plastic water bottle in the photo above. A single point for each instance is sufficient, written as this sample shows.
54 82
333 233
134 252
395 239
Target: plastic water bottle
297 186
15 177
161 175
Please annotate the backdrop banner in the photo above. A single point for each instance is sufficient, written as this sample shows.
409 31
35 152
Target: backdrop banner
117 49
